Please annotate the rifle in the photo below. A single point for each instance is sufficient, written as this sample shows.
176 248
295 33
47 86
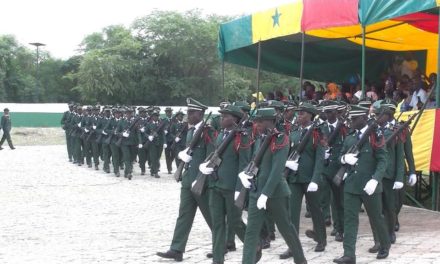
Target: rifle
129 129
355 149
108 140
422 109
155 133
294 155
194 142
93 131
215 159
99 138
179 135
252 169
400 128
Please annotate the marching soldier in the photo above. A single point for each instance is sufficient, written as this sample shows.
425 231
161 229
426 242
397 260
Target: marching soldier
216 121
335 131
169 155
125 129
76 124
156 137
189 202
221 194
363 185
86 127
142 138
93 123
270 195
104 129
6 125
393 177
304 176
65 124
178 132
115 150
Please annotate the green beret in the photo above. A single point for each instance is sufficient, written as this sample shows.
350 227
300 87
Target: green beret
232 110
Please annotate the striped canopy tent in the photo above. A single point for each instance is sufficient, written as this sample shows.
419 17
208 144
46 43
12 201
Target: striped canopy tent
332 40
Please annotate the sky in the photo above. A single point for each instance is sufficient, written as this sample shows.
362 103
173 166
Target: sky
62 24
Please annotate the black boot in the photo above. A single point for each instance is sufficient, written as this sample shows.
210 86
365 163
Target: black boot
383 253
230 246
287 254
339 237
171 254
375 248
345 260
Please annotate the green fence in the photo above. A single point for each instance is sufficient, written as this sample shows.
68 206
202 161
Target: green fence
35 119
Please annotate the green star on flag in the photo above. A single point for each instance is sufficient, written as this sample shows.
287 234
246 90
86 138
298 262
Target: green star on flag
276 18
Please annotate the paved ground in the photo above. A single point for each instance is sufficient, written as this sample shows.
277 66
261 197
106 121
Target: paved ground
54 212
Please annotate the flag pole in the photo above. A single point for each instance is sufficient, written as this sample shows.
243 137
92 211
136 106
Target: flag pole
437 92
363 62
301 69
258 73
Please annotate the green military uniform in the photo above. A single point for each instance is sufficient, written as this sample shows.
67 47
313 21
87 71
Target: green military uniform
169 154
94 121
155 147
86 126
221 195
115 150
75 124
103 131
189 202
271 183
309 170
129 141
6 125
371 165
65 124
178 132
142 139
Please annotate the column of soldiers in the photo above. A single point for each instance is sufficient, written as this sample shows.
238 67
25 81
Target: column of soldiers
265 161
117 137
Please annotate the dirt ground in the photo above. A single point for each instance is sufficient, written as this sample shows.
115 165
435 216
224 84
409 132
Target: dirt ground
31 136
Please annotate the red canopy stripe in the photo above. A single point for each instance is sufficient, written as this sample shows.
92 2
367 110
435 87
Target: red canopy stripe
423 21
435 154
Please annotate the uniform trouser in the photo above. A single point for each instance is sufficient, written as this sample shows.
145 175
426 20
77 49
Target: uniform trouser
154 152
95 152
299 190
142 158
69 144
373 207
278 210
176 150
116 157
87 151
388 207
106 156
400 195
325 191
127 154
187 211
223 209
169 157
77 154
6 136
337 205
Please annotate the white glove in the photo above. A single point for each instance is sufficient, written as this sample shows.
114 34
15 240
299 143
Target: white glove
140 146
398 185
370 187
327 154
125 134
261 202
349 159
412 179
177 139
165 146
142 129
205 170
104 133
345 176
183 156
150 138
86 130
244 178
165 132
79 124
292 164
236 194
94 127
313 187
193 183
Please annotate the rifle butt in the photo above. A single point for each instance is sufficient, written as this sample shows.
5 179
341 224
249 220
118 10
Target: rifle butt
199 186
178 173
337 180
241 199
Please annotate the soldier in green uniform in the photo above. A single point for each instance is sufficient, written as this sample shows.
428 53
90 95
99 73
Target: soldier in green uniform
85 127
6 125
271 193
129 141
76 134
142 138
154 131
93 124
215 122
103 129
393 178
178 131
115 150
188 201
169 155
363 185
222 188
65 124
333 127
304 176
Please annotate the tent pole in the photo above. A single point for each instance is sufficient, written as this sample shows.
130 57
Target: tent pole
258 73
301 67
363 63
223 80
437 92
